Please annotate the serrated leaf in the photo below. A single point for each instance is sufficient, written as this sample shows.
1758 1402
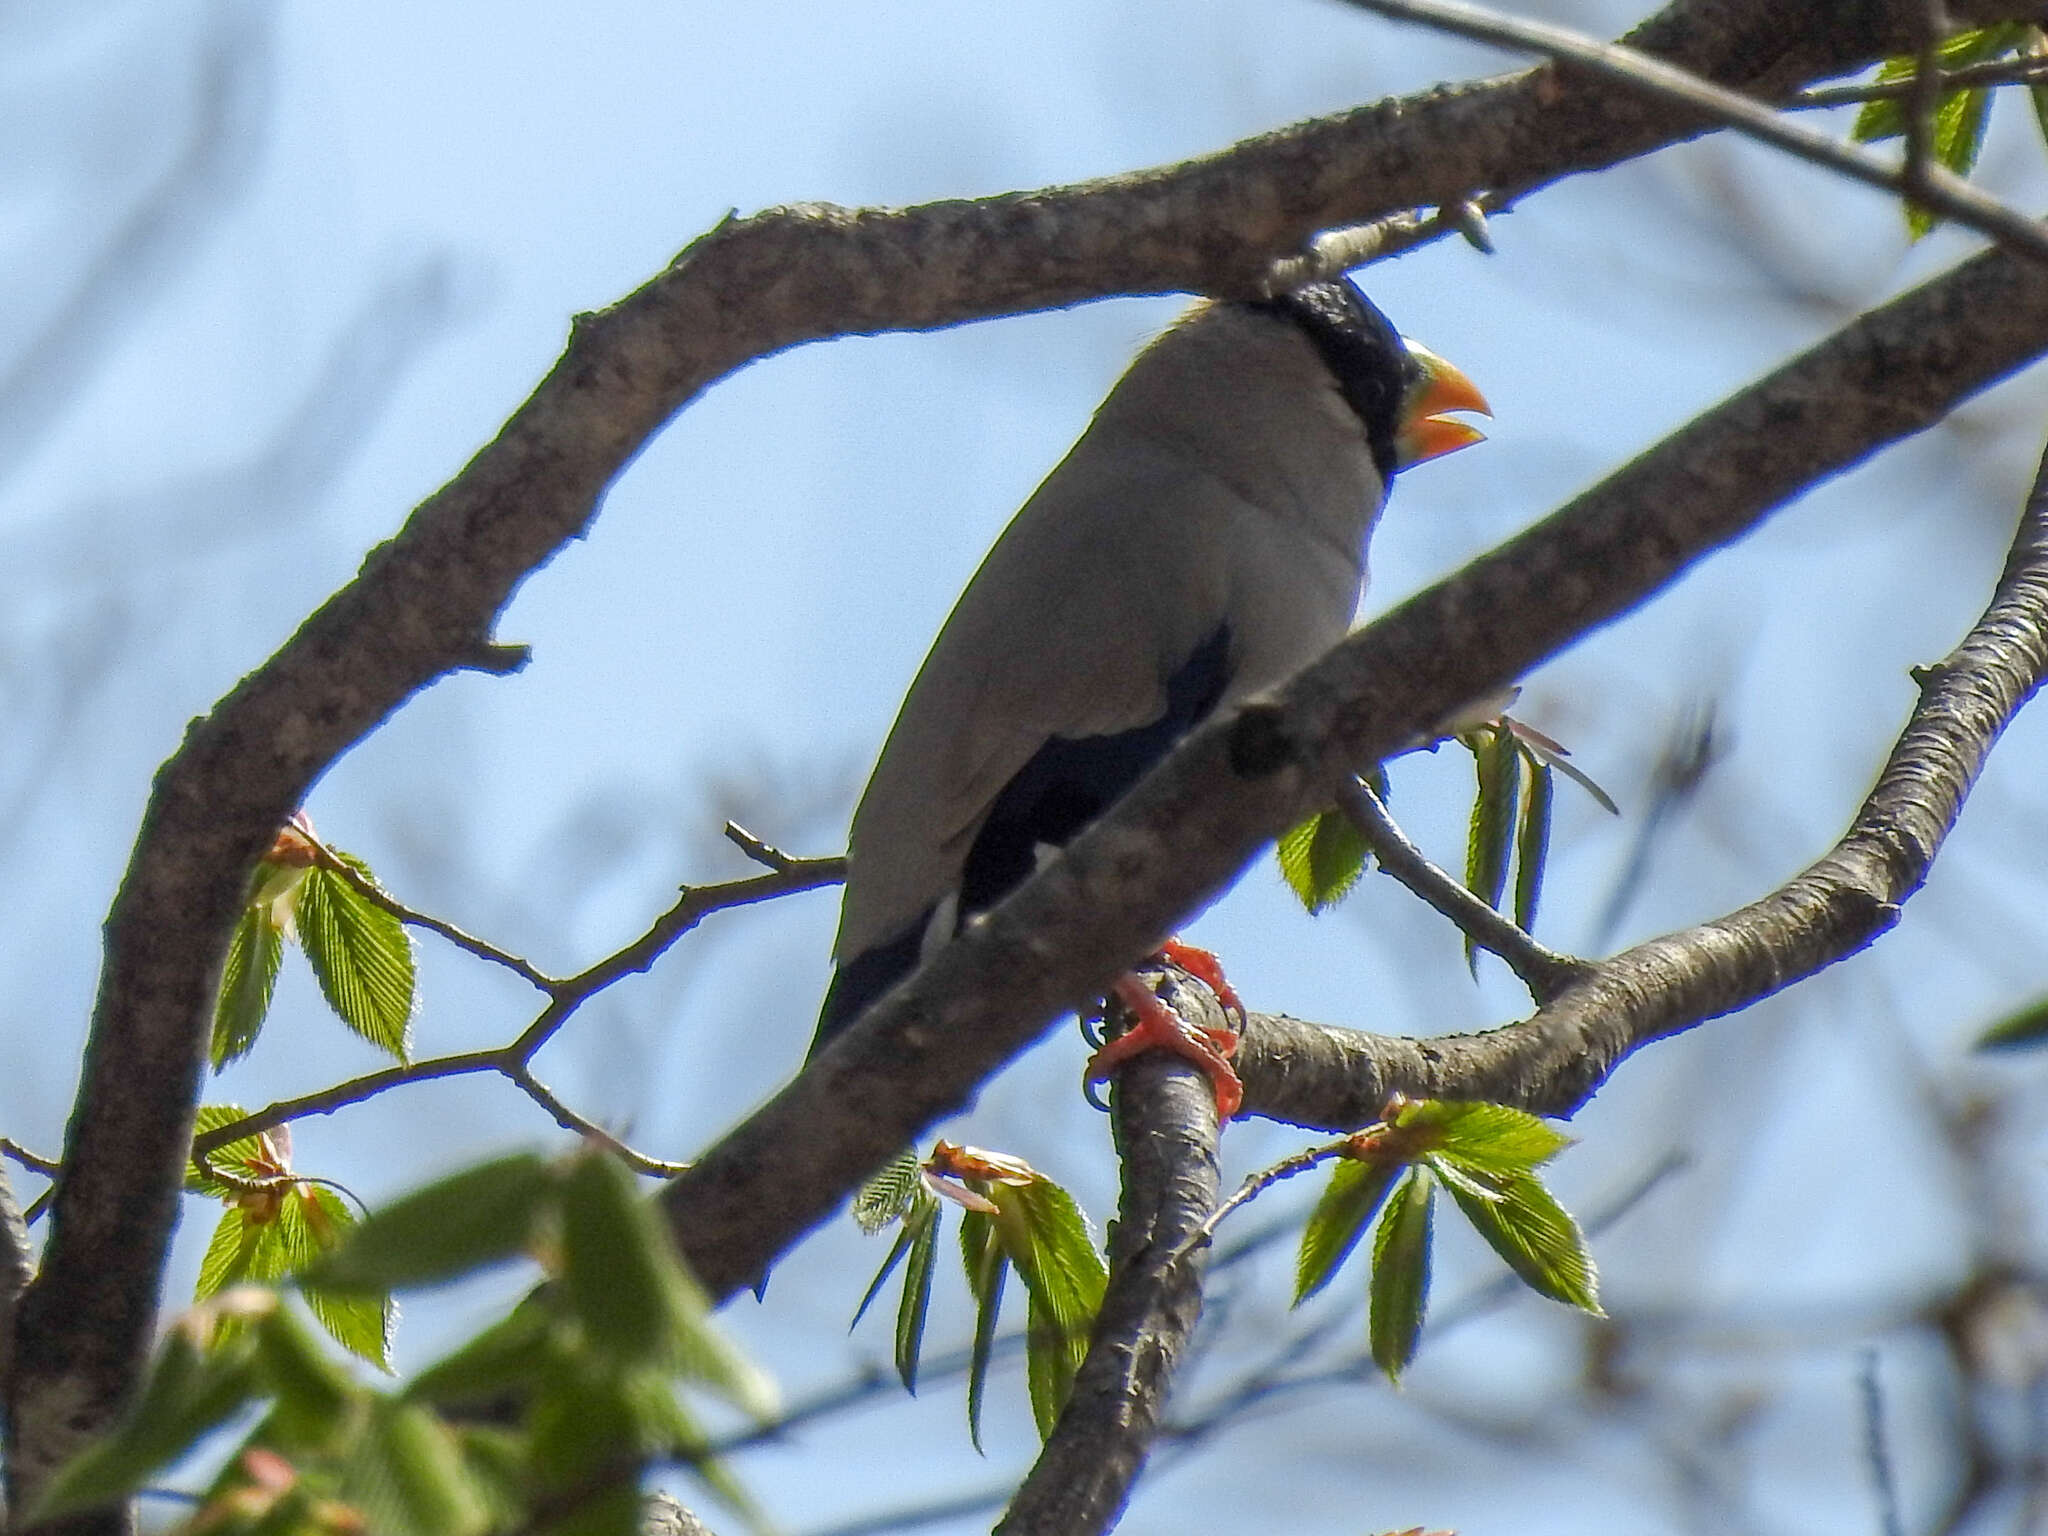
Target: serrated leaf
2029 1026
471 1219
1532 841
1321 859
1046 1238
238 1157
189 1392
1538 1238
1497 763
360 1322
915 1306
409 1477
361 955
1492 1138
1399 1291
247 982
888 1194
1349 1202
987 1266
1959 124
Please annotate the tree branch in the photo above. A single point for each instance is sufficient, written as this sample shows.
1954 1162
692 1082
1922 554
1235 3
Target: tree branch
1165 1116
1919 178
1542 970
1551 1063
1184 834
424 603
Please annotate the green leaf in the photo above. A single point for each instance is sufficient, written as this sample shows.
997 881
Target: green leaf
1532 841
897 1250
2029 1026
1886 119
509 1356
471 1219
1498 764
1046 1238
409 1477
626 1284
1491 1138
238 1157
1400 1273
1538 1238
362 956
620 1273
915 1306
1349 1202
247 983
190 1391
1322 859
360 1322
1959 124
889 1193
314 1394
987 1266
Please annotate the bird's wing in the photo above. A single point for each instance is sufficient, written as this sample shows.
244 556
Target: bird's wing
1072 627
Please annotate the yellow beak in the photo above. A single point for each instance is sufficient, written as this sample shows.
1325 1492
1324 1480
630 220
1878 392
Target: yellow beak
1426 430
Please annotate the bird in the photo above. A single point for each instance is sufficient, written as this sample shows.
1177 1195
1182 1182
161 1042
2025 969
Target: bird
1202 540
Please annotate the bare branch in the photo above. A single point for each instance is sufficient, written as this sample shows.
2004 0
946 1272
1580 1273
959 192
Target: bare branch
1165 1115
1552 1062
48 1167
1971 77
1542 970
1920 179
1923 100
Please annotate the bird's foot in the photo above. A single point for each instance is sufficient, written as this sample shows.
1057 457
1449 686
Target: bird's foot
1203 965
1158 1027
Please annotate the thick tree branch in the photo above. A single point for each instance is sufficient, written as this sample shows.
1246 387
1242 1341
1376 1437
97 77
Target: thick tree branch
1552 1062
425 603
1165 1114
1183 834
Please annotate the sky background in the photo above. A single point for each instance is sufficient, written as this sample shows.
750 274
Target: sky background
276 271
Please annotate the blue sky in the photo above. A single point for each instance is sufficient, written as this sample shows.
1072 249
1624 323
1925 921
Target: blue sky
383 257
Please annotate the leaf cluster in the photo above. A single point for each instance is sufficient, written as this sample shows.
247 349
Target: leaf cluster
1485 1156
1013 1219
580 1381
1956 131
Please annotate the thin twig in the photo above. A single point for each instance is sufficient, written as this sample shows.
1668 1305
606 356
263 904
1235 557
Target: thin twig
1991 74
48 1167
1936 188
569 1120
1925 96
512 1060
1544 971
483 949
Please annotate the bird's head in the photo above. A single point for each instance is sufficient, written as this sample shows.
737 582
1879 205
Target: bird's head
1435 388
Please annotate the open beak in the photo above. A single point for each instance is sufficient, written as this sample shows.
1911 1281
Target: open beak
1427 432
